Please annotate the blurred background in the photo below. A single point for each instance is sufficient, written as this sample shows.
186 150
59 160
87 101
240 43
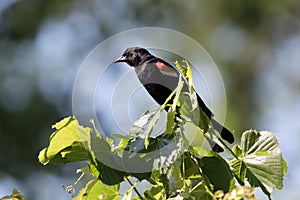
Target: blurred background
255 44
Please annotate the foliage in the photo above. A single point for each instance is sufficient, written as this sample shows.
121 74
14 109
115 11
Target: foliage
16 195
176 163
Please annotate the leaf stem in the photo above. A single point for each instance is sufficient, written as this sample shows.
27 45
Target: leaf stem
197 185
134 188
205 181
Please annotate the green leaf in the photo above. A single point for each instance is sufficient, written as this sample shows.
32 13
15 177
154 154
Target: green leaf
261 162
108 164
201 192
189 73
161 153
106 174
285 167
146 123
189 108
193 134
217 171
178 91
169 150
156 192
159 182
119 136
140 125
93 169
16 195
95 189
75 153
237 150
182 69
67 143
137 159
92 121
101 149
170 122
121 146
200 151
172 112
177 176
189 166
204 122
248 139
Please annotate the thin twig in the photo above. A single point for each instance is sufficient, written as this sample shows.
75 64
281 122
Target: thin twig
134 188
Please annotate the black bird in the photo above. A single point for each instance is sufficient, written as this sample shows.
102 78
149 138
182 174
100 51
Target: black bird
160 79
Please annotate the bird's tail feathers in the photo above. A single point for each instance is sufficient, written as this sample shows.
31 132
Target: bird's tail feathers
224 132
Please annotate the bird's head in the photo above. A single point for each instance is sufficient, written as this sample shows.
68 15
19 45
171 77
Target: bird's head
134 56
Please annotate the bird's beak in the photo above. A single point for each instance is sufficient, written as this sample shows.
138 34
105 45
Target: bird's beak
120 59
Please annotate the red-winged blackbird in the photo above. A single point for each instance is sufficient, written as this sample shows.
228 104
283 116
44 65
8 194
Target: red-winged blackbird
160 79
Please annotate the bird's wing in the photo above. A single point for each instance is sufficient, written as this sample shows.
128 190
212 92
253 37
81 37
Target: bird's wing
166 69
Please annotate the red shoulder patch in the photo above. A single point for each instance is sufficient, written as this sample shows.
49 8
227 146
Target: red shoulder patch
165 69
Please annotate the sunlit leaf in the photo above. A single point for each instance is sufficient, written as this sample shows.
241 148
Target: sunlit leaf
69 136
261 162
189 109
172 112
16 195
237 150
95 189
121 146
170 122
181 68
178 91
193 134
145 124
169 149
189 73
140 125
156 192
